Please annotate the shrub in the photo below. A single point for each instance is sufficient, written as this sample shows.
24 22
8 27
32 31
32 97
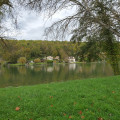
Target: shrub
49 61
11 57
3 63
37 60
22 60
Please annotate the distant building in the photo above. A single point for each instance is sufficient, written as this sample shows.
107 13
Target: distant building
44 58
57 58
31 62
71 59
49 58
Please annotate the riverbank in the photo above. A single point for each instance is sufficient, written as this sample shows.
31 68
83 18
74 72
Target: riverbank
31 64
18 64
89 99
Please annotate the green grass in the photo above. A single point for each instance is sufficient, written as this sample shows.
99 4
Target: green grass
17 64
37 63
96 98
40 63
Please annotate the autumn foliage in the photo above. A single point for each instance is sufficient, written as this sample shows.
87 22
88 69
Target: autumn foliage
22 60
37 60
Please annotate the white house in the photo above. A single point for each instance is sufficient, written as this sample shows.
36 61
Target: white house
57 58
31 61
71 59
49 58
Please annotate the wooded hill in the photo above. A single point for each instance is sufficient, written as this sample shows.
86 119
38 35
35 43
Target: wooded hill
82 51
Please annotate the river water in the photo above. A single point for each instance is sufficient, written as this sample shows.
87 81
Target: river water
40 74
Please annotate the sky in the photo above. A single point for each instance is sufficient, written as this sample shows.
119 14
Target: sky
32 25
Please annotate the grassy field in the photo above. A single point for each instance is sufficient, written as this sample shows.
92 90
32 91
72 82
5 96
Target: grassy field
90 99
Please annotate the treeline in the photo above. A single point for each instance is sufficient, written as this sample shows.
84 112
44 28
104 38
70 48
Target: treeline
35 49
12 50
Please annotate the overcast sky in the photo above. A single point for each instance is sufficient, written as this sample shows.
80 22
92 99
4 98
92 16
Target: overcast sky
32 25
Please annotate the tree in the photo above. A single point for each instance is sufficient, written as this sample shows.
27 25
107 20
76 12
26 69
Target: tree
22 60
110 44
7 11
10 53
90 51
37 60
86 12
92 17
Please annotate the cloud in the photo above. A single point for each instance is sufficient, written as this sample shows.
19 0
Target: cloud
33 34
32 25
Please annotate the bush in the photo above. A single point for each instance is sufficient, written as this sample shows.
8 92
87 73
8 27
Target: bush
37 60
3 63
22 60
11 57
49 61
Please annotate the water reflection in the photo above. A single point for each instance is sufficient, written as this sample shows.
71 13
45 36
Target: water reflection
72 66
30 75
50 69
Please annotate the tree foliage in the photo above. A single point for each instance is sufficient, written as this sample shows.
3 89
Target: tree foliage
7 12
37 60
99 18
65 49
86 19
22 60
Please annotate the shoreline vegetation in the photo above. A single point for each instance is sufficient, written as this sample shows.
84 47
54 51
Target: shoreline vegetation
43 63
88 99
18 64
23 51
